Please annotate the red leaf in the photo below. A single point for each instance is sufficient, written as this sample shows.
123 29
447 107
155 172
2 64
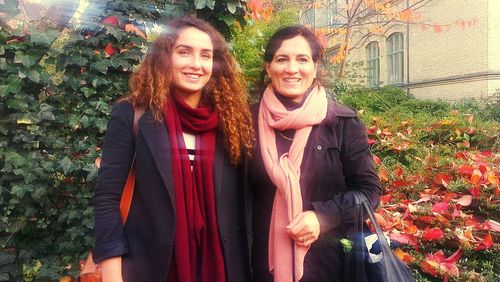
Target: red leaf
442 179
371 141
427 219
401 183
487 153
113 20
109 49
376 160
464 201
440 208
465 170
486 243
433 234
454 257
399 171
476 191
384 199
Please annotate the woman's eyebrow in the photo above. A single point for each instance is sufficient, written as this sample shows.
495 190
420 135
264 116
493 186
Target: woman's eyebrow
191 48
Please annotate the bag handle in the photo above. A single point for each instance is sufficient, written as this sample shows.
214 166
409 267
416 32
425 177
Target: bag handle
128 190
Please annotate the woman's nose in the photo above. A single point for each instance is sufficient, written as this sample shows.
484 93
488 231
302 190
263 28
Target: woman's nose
291 67
195 62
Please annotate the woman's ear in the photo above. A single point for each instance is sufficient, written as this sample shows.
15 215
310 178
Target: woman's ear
266 65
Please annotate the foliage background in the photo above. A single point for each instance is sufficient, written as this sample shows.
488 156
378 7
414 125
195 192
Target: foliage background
56 88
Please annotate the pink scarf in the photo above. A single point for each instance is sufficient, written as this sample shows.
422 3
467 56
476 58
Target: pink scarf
284 172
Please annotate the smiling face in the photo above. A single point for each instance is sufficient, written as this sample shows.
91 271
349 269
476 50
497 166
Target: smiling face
292 69
192 62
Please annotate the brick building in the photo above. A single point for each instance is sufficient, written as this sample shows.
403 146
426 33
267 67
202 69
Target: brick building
451 52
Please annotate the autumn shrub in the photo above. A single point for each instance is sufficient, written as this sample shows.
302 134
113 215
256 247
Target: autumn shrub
439 164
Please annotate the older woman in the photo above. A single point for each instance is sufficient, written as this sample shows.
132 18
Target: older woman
311 153
186 217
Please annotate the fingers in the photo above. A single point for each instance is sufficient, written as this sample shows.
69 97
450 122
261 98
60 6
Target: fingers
304 229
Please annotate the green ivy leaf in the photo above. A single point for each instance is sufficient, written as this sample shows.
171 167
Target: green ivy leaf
19 191
34 76
101 67
13 85
3 64
200 4
211 4
66 165
13 159
2 50
17 104
26 59
44 38
231 6
117 33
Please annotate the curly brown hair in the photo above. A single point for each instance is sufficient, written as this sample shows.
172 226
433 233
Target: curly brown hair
150 85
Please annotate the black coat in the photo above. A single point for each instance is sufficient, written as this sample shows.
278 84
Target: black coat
146 241
336 160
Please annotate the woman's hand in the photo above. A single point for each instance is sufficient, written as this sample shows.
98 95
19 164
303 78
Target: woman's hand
111 270
304 228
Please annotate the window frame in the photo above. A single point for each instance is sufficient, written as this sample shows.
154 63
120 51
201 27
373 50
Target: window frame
373 64
395 59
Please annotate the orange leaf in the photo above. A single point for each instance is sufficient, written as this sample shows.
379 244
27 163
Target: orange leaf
405 257
97 162
442 179
433 234
428 267
132 28
383 175
476 176
491 177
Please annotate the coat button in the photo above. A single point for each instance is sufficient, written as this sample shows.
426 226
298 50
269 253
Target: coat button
224 240
319 147
237 228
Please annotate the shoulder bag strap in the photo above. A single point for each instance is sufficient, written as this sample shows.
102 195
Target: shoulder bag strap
128 190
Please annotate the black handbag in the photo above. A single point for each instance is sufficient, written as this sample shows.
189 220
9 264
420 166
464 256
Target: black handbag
358 265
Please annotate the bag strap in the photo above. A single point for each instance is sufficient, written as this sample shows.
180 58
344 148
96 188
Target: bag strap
128 190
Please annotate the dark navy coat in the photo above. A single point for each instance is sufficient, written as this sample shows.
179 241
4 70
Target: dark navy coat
336 160
146 241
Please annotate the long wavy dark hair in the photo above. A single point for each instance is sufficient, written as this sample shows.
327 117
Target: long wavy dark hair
150 85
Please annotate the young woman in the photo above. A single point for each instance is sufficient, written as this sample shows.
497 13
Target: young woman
186 219
311 152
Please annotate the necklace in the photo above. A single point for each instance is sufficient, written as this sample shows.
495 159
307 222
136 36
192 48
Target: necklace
284 136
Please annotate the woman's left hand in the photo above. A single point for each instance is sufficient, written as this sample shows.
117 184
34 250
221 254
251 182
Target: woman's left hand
304 228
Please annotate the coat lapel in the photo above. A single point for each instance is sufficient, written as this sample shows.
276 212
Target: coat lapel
218 167
156 136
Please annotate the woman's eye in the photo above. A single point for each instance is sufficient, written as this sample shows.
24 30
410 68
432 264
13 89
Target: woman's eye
280 60
303 60
183 52
206 56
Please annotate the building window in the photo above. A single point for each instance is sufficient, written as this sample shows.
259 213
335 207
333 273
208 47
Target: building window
373 63
395 57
